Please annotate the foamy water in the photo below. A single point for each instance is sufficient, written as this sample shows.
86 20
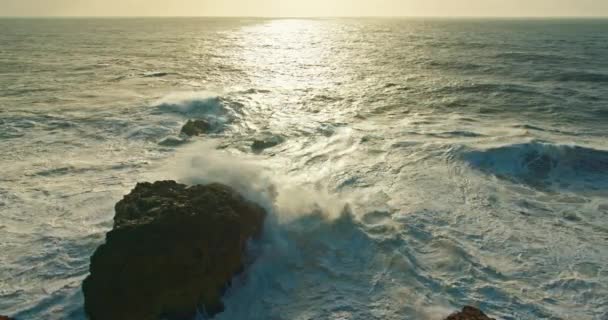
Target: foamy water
421 165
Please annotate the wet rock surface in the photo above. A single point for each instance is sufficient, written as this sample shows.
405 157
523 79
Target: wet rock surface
196 127
262 143
469 313
171 253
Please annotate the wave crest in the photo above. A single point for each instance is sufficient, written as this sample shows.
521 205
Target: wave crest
540 163
191 104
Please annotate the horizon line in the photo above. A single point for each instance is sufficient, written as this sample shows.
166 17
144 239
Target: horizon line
309 17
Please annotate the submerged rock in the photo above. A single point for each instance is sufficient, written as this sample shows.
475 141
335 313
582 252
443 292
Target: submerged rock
196 127
6 318
171 253
266 142
469 313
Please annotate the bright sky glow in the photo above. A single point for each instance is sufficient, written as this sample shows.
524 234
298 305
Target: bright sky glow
308 8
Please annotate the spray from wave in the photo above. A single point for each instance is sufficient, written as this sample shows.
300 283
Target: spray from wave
209 106
202 162
314 250
190 103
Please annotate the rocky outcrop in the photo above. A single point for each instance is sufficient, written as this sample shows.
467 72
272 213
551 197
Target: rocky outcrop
196 127
6 318
469 313
173 250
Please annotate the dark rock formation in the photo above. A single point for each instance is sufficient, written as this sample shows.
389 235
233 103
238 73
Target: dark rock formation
6 318
173 249
196 127
266 142
469 313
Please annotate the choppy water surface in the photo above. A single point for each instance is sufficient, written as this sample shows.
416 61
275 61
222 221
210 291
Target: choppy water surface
424 164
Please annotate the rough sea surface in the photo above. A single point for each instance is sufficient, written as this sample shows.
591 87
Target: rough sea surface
422 164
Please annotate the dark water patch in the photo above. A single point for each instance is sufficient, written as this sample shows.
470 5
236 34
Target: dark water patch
466 119
56 171
529 207
529 57
456 134
490 98
60 125
12 134
459 66
376 217
489 110
395 86
602 112
327 129
326 98
148 132
25 123
173 142
422 122
391 108
65 303
317 160
254 91
266 141
581 76
528 127
73 170
64 261
118 78
14 126
155 74
16 92
406 144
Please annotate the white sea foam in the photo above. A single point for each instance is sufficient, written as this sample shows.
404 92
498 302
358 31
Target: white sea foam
202 162
191 103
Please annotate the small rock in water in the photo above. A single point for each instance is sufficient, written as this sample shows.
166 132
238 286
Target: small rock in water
196 127
265 143
469 313
172 252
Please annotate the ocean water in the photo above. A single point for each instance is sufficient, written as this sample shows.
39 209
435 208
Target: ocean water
424 164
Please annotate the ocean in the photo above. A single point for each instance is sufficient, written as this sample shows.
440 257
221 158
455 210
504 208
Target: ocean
418 165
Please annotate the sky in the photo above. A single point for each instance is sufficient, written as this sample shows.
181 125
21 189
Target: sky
304 8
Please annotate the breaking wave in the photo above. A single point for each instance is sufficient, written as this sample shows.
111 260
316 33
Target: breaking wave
539 162
190 103
316 249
